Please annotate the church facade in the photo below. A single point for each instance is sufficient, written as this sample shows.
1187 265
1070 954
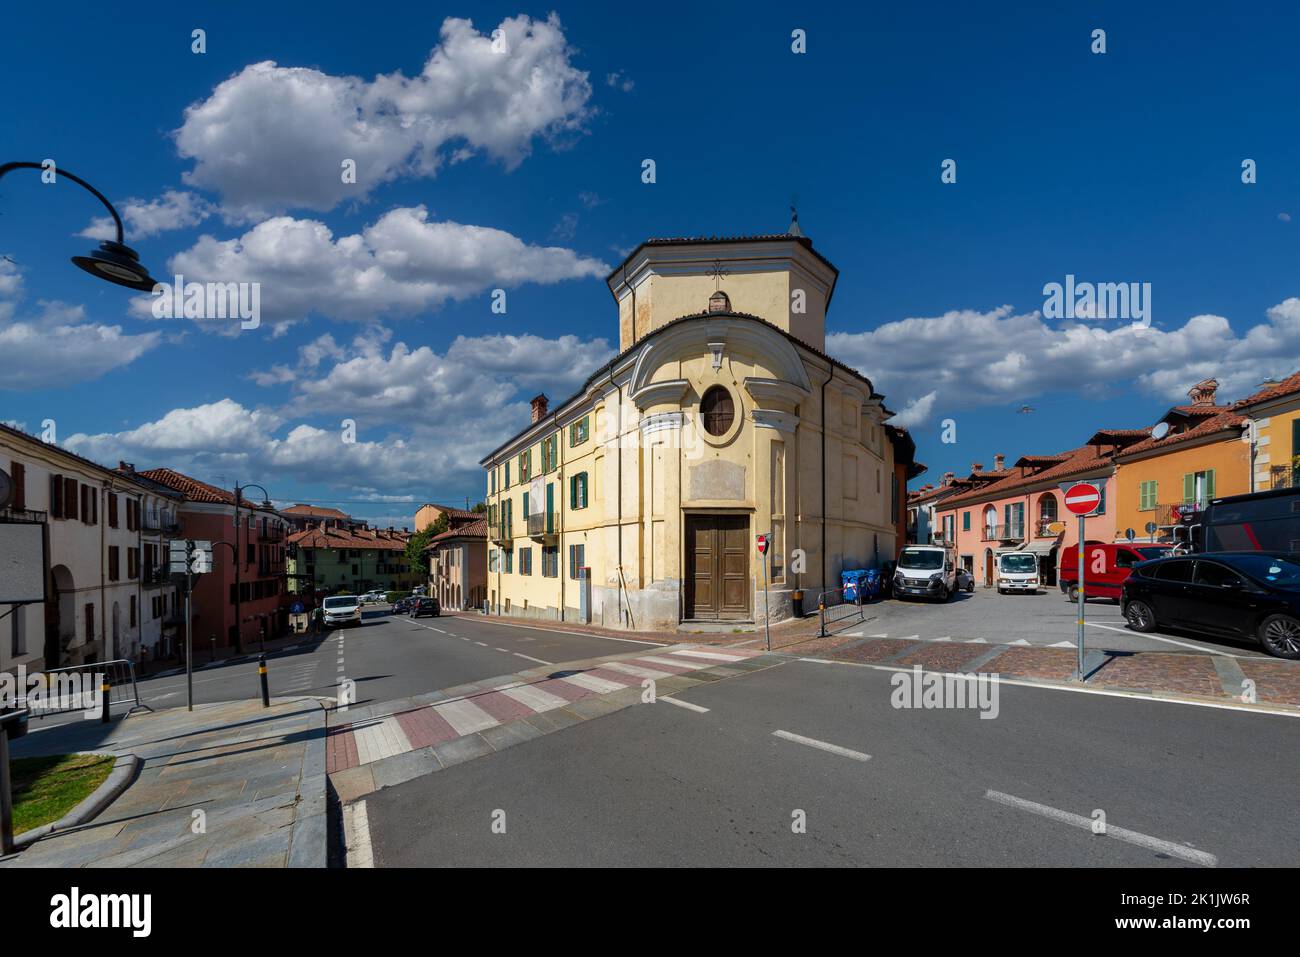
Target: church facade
636 502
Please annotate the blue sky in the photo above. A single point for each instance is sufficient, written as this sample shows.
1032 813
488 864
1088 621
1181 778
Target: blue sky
1122 167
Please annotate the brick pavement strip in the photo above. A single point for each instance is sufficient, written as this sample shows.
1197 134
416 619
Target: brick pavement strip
258 776
1159 673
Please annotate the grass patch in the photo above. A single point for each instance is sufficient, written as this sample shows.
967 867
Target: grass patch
47 788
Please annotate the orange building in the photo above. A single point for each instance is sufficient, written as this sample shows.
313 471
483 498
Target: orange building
1194 453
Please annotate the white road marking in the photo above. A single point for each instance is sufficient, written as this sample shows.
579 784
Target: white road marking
944 638
598 685
1124 834
535 698
713 655
1184 644
822 745
635 670
356 830
1021 642
518 654
560 631
909 638
505 650
1062 644
381 738
678 663
685 704
975 641
481 644
465 716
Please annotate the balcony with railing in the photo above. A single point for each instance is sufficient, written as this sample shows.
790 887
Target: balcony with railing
1003 533
1284 476
1168 514
541 524
1042 530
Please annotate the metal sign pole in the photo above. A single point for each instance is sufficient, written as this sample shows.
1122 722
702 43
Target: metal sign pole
189 630
1081 597
767 608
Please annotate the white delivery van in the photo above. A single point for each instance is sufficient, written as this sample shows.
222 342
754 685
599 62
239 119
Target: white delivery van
1017 571
925 571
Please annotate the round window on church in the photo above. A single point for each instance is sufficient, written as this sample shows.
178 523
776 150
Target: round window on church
718 410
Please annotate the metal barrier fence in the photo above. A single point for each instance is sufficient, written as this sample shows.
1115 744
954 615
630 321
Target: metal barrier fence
837 609
78 688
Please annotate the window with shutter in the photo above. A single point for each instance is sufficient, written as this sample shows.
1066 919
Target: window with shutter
56 496
70 492
112 509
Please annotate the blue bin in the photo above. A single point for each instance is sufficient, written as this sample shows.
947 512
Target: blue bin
851 583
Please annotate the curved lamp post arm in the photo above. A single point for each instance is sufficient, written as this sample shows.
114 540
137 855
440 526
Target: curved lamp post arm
117 220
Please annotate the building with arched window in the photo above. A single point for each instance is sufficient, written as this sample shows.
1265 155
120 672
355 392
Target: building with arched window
636 501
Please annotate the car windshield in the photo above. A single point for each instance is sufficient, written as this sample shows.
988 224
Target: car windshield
922 559
1149 552
1018 563
343 601
1279 571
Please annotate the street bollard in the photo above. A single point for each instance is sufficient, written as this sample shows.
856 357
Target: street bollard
104 687
821 618
261 670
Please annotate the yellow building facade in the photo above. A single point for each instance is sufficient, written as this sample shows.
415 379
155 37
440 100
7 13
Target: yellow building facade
1195 453
720 419
1274 412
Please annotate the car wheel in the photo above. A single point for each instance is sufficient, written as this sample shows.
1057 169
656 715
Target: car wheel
1280 636
1139 616
1073 593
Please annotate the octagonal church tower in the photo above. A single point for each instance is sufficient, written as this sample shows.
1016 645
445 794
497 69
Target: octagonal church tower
636 502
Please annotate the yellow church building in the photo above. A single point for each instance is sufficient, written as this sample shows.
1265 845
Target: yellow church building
636 502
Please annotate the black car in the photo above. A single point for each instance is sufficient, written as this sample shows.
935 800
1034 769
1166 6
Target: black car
402 606
425 606
1254 595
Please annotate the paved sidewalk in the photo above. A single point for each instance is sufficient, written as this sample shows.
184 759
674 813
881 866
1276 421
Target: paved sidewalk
256 774
385 744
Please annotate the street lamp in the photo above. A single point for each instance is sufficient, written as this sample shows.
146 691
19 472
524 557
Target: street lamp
266 503
113 261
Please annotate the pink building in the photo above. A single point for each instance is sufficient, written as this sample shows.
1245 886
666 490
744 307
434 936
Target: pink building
1015 508
244 595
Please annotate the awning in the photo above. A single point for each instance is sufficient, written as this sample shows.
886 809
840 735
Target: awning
1037 547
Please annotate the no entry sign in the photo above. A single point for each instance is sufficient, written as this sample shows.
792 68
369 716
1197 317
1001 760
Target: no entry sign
1082 498
762 544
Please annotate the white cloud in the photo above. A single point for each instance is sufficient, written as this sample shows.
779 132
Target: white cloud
58 346
967 358
916 412
400 265
619 81
176 209
423 419
273 138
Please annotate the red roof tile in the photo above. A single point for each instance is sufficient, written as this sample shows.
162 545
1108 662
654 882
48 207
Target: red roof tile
350 538
476 529
1288 386
314 511
1086 458
1223 420
191 488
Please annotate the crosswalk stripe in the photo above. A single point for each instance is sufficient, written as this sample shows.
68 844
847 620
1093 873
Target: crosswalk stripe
690 653
465 716
599 685
535 698
635 670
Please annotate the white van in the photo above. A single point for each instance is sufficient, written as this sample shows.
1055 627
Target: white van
925 571
342 610
1017 571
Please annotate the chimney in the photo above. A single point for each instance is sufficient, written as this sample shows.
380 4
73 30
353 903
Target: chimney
999 461
948 477
1203 392
977 466
127 467
539 404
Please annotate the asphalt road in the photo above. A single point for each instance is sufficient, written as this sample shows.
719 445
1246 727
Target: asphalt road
1043 620
388 657
663 786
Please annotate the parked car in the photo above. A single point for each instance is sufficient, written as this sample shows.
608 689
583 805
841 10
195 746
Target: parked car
1252 595
965 580
402 606
925 571
1106 566
1017 571
425 606
342 610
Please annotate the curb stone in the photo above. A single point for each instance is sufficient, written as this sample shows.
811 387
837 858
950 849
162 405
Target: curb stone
118 780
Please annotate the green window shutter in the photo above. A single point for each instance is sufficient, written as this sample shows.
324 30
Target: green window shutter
573 492
526 512
550 507
584 489
1209 485
1189 487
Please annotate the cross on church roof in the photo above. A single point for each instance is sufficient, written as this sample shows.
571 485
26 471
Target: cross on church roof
717 273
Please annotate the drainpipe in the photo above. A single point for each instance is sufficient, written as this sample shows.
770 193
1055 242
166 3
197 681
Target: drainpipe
831 375
103 567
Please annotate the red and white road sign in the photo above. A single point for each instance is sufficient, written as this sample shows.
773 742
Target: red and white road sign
1082 498
762 544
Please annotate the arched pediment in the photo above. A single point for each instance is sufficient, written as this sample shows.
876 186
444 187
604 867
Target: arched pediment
693 338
